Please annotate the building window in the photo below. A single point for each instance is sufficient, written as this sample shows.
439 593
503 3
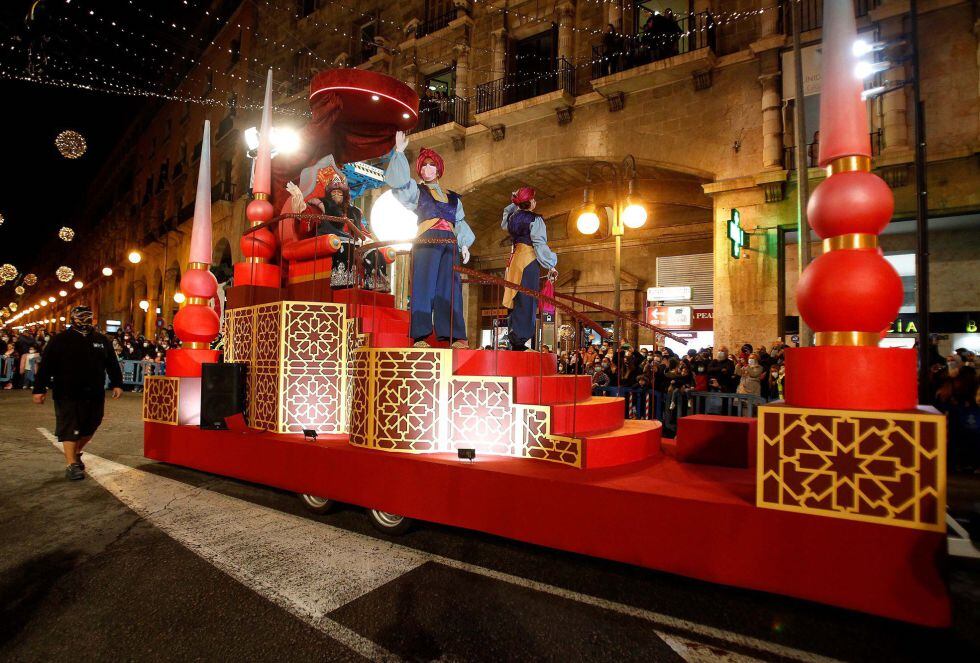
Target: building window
236 51
364 47
306 7
209 83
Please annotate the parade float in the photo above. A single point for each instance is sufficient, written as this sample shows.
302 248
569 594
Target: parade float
835 496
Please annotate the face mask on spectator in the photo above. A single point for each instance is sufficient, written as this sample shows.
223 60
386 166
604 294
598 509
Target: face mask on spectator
722 355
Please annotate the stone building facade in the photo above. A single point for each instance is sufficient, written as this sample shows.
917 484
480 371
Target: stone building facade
531 93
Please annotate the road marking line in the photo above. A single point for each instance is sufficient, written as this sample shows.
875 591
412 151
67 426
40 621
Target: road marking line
237 536
307 574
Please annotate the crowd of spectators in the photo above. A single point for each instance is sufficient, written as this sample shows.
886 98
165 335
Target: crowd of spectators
657 39
22 352
658 384
956 394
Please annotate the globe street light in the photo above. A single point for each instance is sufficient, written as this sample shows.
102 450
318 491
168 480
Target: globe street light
627 212
134 257
107 271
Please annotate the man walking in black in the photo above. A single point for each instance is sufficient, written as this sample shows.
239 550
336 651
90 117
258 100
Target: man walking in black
77 360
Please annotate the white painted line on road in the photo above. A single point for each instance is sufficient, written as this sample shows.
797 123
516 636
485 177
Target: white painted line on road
307 572
322 567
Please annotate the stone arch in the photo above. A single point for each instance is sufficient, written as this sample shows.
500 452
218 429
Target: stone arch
223 266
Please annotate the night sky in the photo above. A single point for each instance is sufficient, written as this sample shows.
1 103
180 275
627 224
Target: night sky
42 190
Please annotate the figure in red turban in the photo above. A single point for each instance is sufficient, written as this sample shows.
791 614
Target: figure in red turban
437 291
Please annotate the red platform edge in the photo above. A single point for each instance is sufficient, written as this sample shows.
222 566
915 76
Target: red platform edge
695 521
851 378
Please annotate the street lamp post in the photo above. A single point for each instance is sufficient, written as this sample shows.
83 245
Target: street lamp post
629 212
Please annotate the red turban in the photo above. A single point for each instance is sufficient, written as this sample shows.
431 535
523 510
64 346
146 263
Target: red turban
523 195
425 154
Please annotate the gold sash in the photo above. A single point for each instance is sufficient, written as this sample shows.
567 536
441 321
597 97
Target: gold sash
520 257
427 225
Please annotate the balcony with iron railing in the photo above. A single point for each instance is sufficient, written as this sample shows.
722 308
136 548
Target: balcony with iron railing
549 88
813 151
435 23
663 55
436 112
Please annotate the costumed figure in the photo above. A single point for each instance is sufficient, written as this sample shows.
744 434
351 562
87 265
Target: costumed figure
329 194
437 290
529 253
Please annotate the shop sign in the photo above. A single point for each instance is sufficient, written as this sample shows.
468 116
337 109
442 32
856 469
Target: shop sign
735 234
945 323
680 293
681 317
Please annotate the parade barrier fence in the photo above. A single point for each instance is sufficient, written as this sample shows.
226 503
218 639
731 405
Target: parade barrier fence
6 369
730 405
134 370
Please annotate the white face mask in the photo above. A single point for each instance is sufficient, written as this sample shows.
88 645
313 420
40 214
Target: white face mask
722 355
429 172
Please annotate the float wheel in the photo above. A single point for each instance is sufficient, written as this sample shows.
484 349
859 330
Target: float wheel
316 504
389 523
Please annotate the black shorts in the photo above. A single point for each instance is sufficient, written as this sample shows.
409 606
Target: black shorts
75 419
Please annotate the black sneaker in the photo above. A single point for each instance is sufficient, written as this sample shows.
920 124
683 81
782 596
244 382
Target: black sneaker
74 472
79 461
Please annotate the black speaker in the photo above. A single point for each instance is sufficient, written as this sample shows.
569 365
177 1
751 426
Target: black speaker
222 393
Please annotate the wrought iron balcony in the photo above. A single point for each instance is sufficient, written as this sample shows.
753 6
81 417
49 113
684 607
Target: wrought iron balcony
436 23
811 13
514 88
437 112
691 33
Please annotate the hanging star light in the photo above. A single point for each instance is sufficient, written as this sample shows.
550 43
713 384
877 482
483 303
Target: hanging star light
64 274
30 279
8 272
71 144
66 234
19 290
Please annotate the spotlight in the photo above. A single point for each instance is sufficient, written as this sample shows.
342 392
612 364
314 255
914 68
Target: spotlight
309 434
466 454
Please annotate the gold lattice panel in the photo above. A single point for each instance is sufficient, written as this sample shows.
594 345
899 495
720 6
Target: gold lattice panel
536 441
482 415
314 368
161 396
408 401
410 398
882 467
297 364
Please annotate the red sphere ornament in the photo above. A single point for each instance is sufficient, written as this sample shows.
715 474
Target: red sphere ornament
198 283
196 324
259 244
849 290
259 211
850 202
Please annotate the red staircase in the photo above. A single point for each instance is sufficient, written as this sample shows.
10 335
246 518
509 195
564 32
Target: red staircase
608 439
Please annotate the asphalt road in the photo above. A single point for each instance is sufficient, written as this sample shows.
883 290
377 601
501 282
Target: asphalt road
146 561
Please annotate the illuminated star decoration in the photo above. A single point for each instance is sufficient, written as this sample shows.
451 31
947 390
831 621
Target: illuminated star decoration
71 144
64 274
19 290
30 279
7 272
66 234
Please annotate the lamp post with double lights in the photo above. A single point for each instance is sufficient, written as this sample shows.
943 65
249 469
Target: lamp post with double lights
628 211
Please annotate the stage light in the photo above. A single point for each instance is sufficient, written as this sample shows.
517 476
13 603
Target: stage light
179 297
391 221
309 434
375 97
285 140
107 271
405 116
79 285
135 257
62 293
145 305
860 48
466 454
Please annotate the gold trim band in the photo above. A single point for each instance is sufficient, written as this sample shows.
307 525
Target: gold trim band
199 265
261 196
194 345
850 338
199 301
849 164
850 241
256 261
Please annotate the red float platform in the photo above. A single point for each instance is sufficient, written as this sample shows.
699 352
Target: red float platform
854 378
698 521
708 439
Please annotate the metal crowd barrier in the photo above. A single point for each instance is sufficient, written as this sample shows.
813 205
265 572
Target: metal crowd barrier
134 370
729 405
6 369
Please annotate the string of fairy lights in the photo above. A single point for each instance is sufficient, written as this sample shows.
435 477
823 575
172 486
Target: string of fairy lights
155 60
